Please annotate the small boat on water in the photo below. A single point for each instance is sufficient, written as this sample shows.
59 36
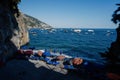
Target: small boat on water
52 30
66 31
108 33
90 30
77 30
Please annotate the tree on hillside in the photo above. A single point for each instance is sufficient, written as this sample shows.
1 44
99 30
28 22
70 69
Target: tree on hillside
116 15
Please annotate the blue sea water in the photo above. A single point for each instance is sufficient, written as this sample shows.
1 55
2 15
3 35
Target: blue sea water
84 44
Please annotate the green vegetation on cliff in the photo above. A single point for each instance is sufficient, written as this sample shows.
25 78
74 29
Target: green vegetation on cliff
32 22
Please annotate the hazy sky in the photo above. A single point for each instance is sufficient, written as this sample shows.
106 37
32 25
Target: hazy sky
72 13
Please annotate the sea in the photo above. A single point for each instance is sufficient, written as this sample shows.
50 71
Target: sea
87 43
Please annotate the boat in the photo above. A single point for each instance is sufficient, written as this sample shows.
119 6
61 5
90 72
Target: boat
52 30
77 30
108 33
90 30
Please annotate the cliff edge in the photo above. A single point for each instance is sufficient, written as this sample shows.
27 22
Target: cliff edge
14 28
25 22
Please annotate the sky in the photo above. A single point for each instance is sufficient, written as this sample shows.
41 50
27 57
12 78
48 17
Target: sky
72 13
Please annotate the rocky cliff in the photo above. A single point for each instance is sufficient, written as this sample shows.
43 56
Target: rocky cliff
113 53
25 22
32 22
14 30
8 27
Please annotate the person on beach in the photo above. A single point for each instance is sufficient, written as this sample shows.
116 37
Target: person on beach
77 62
69 63
34 52
23 54
37 55
81 65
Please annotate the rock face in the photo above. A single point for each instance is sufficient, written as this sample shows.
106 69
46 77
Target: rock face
14 31
8 25
25 22
113 54
21 36
114 51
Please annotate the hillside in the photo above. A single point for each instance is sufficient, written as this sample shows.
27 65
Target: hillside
32 22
